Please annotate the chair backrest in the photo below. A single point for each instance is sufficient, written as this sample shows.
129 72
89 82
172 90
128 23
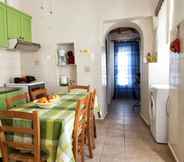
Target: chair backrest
92 99
78 87
80 118
91 107
38 93
16 100
34 131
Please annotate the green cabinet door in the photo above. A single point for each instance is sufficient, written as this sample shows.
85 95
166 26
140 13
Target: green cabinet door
26 28
2 102
3 26
14 23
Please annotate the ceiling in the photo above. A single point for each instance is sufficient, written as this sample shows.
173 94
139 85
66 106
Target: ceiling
124 34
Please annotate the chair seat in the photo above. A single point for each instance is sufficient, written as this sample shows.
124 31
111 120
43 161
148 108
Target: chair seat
25 157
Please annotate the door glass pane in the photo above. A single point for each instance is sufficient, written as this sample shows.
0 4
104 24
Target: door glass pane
124 62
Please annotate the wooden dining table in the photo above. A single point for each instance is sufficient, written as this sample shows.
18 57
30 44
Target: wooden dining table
56 126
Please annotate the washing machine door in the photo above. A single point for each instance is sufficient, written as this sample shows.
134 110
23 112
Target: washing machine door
152 113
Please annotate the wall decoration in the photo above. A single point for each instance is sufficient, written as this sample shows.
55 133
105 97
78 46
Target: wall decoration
151 58
47 6
85 51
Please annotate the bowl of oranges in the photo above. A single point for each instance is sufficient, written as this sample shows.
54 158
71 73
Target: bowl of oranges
47 102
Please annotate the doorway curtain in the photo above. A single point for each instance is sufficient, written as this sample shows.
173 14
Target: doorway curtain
127 69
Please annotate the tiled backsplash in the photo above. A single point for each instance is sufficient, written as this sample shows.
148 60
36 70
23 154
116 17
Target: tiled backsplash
9 66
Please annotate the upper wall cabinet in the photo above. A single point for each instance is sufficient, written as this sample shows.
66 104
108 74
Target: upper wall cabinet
26 27
14 23
3 26
19 24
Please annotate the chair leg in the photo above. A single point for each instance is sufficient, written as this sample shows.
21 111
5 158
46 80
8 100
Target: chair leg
75 150
85 135
89 137
94 126
92 134
82 146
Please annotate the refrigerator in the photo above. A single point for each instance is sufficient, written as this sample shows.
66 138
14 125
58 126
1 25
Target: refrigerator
176 101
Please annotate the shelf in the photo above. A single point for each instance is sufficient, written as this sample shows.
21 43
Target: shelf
65 69
72 65
64 85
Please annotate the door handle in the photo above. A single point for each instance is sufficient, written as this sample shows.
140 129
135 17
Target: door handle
167 107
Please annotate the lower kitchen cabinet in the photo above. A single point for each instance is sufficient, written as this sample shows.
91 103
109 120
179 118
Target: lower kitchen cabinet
4 96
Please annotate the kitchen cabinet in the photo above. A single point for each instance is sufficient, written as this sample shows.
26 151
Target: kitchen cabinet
181 111
5 95
19 24
14 23
3 26
173 122
26 22
2 102
176 111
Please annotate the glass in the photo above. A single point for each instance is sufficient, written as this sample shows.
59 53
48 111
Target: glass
124 64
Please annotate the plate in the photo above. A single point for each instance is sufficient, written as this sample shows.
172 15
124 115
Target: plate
49 104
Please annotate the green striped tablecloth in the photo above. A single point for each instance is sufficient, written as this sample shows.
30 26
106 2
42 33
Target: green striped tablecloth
66 100
69 100
56 132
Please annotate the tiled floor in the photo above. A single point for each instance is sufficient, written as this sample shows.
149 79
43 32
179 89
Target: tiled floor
123 137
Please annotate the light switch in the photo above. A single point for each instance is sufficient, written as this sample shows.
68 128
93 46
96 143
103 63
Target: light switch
87 69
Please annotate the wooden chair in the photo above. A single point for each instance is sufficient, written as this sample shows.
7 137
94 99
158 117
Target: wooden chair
32 150
92 104
90 129
78 87
79 129
11 101
38 93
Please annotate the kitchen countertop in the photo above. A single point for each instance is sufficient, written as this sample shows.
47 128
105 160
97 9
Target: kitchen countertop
27 84
7 89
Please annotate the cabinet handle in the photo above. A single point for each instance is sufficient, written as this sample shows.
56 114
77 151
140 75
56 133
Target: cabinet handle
22 38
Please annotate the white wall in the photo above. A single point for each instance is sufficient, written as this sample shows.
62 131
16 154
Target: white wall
110 69
159 72
154 3
80 22
176 13
146 27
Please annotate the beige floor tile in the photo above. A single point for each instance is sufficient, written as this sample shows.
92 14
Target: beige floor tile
123 137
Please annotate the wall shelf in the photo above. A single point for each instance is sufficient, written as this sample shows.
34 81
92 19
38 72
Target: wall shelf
71 65
65 70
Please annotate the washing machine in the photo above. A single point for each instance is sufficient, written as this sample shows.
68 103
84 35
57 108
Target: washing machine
158 112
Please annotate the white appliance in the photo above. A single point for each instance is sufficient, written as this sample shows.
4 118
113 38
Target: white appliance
27 87
158 112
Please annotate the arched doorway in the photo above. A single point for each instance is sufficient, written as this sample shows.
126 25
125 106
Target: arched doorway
120 37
